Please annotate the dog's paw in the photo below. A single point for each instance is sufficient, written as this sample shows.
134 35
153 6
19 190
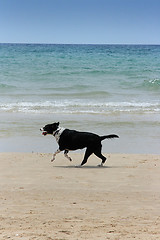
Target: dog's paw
100 165
78 166
52 159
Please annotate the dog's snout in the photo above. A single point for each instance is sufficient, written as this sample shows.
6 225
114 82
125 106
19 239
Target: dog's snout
41 129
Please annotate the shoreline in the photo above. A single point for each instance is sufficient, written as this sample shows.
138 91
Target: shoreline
47 144
40 199
138 134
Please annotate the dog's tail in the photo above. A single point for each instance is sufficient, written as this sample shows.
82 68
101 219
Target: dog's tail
109 136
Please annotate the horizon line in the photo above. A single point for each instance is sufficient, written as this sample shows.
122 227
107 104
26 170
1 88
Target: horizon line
34 43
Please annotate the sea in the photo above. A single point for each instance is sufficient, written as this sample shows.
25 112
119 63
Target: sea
103 89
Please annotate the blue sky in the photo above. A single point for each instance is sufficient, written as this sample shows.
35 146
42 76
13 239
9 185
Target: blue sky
80 21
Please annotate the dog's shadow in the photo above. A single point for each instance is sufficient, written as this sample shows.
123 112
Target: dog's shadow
89 167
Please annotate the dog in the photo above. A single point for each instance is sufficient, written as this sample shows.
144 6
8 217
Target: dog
69 140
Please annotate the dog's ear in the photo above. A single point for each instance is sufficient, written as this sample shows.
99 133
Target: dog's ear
57 124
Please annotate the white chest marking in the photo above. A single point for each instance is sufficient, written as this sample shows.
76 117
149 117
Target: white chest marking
58 133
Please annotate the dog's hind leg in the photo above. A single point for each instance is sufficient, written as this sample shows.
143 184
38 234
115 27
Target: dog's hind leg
98 153
66 155
86 156
58 151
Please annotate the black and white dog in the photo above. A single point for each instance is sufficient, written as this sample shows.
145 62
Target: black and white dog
72 140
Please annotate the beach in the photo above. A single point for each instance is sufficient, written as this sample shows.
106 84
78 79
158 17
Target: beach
104 89
44 200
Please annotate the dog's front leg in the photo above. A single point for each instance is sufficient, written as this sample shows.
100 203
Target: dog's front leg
54 155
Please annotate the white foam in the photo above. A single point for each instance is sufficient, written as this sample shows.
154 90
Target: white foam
78 106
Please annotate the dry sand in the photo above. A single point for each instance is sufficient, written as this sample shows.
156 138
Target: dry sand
41 200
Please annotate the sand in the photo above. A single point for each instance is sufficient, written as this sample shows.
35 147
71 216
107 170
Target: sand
41 200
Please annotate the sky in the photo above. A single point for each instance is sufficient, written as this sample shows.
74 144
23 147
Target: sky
80 21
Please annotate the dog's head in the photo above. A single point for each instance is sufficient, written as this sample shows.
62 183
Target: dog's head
49 128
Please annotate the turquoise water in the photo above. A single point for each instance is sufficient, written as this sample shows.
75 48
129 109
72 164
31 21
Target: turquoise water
101 88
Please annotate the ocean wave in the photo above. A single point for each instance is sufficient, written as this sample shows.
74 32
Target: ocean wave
4 86
81 94
71 107
152 84
76 91
70 87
